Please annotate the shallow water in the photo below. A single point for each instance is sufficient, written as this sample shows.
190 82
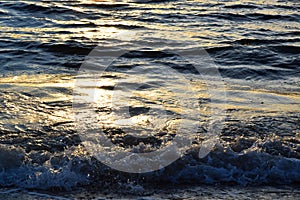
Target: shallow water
183 192
45 45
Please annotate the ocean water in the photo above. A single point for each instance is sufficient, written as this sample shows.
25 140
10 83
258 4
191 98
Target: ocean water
127 67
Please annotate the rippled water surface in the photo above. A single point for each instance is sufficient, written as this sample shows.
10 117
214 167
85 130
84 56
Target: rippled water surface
253 46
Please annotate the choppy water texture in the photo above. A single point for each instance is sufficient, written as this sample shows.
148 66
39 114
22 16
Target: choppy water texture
254 45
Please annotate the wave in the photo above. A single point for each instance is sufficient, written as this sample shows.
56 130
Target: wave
38 8
256 41
257 150
239 6
41 170
249 16
105 5
65 174
246 154
279 71
72 49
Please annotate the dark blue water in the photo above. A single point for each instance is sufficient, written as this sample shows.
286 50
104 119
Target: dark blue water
255 46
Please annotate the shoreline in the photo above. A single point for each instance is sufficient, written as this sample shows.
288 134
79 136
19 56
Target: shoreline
170 192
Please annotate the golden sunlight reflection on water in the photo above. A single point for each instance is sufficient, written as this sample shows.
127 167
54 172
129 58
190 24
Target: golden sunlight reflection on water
26 98
245 98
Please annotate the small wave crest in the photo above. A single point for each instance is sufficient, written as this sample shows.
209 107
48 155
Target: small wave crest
74 167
